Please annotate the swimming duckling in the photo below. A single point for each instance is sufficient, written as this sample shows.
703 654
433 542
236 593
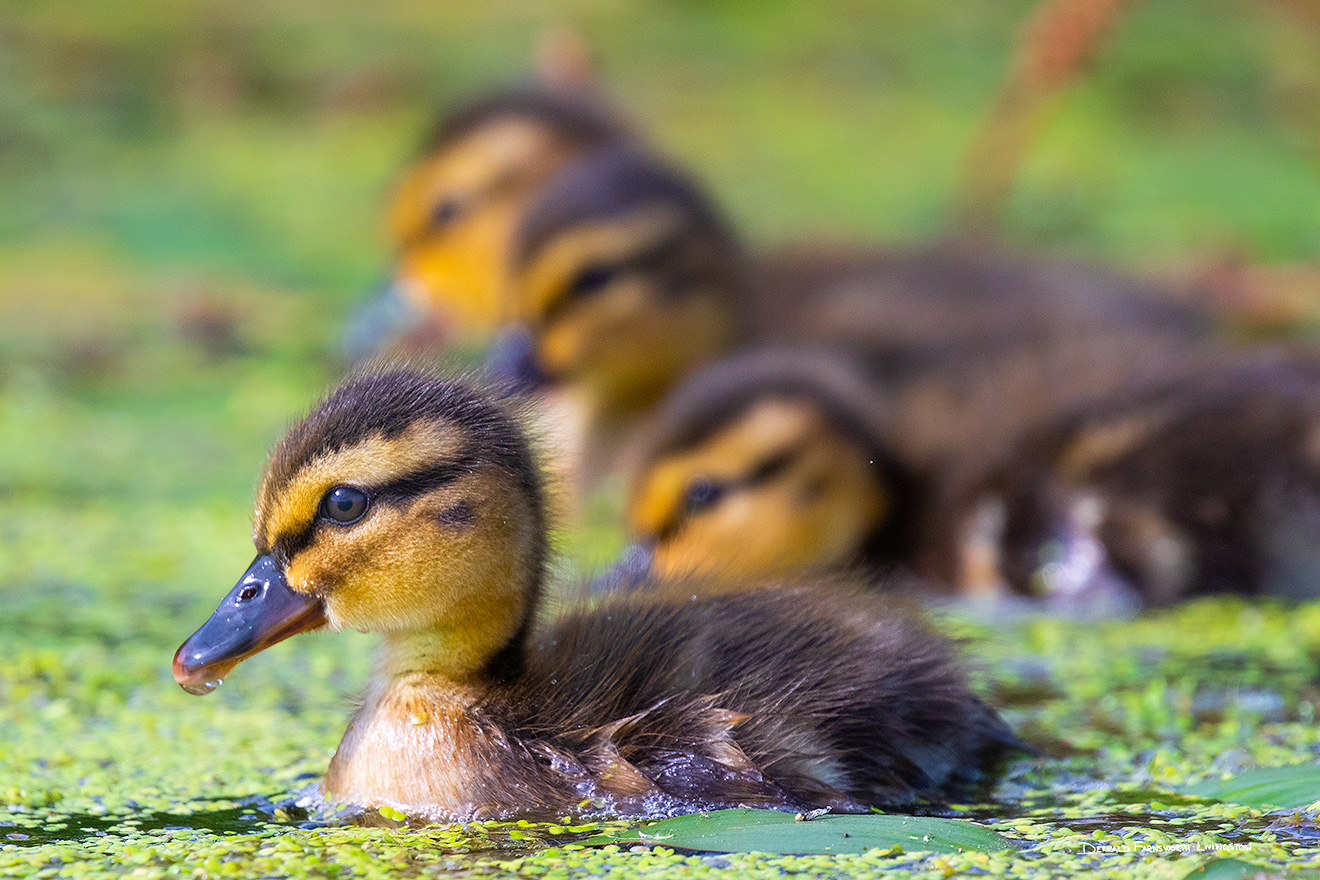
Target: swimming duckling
774 461
410 505
1205 484
454 210
627 280
786 459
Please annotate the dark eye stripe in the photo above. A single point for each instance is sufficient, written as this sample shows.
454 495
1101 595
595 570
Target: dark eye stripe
760 473
290 544
651 258
420 482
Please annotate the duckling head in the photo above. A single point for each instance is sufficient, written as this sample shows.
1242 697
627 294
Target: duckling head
769 463
454 211
624 278
403 504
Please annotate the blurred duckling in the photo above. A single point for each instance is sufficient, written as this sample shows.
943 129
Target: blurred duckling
1208 483
783 459
775 461
454 210
627 280
410 505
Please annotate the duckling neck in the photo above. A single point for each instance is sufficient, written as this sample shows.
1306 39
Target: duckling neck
460 658
418 743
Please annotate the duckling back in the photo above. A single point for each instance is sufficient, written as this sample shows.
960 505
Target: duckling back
809 695
915 306
1204 483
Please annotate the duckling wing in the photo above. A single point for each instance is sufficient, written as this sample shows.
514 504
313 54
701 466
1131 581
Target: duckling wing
814 695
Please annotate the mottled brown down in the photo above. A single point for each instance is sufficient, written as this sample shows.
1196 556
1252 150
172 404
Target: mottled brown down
1206 482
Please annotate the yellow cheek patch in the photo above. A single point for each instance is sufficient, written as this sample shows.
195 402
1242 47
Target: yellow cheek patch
819 511
289 509
628 344
545 280
764 430
371 570
576 337
460 277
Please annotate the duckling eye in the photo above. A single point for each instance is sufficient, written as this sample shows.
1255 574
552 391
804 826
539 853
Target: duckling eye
344 505
701 495
446 212
592 279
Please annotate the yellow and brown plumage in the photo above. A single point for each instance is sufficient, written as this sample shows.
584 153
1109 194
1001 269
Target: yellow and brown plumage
627 280
453 211
801 457
410 505
774 461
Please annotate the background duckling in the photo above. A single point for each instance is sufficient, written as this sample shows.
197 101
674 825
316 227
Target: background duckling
782 459
410 505
627 280
770 462
1207 483
454 210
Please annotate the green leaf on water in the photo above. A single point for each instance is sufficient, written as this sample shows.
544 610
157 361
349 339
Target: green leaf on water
772 831
1236 869
392 814
1289 787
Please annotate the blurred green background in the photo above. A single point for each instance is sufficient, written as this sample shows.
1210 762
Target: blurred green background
190 202
190 192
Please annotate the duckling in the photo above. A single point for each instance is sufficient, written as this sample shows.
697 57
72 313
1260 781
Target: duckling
410 505
627 280
774 461
1207 483
788 458
454 210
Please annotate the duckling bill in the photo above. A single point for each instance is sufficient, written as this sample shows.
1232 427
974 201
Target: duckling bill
259 611
410 505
